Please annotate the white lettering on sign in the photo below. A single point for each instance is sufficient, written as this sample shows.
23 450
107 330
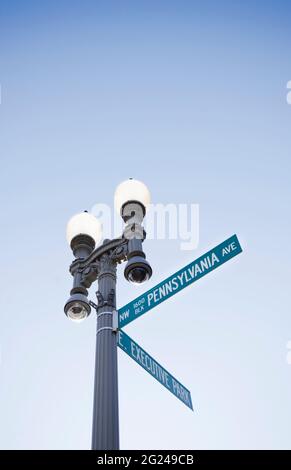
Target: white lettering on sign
138 306
183 278
228 249
178 281
148 363
181 392
160 374
124 315
154 368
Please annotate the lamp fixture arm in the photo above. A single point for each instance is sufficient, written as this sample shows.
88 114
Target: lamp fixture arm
87 269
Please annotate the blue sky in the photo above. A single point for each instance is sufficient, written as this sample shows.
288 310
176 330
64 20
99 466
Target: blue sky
189 97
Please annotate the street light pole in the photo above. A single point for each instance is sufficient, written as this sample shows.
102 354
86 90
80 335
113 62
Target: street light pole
91 264
105 432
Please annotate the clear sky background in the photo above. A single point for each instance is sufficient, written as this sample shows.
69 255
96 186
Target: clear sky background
190 97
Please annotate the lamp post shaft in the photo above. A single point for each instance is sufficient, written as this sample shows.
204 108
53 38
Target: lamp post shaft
105 432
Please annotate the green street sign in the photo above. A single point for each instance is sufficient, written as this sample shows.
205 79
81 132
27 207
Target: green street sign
146 361
178 281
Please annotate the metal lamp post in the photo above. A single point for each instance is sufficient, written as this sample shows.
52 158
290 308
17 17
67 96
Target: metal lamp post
91 264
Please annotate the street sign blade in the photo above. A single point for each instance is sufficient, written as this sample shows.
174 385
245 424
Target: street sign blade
146 361
178 281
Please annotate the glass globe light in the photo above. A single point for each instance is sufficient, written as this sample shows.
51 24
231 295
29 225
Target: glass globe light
131 190
84 224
